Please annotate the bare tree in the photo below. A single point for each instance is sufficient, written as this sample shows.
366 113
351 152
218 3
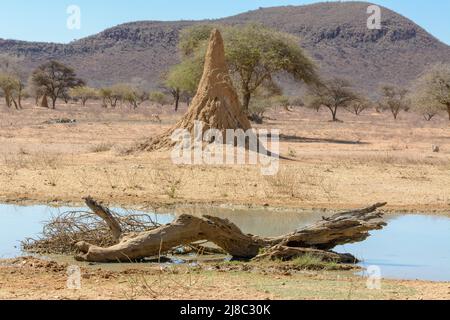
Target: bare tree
359 105
394 99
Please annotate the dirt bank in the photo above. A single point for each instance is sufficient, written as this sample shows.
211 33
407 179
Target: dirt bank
38 279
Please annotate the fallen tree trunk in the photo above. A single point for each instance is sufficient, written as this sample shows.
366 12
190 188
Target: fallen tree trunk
347 227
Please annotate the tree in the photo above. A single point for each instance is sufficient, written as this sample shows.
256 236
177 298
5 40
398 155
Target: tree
182 79
84 94
394 99
112 95
56 79
358 105
333 94
254 55
432 89
11 82
428 111
133 96
158 97
12 90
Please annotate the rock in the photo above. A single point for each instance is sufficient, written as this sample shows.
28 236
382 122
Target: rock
436 148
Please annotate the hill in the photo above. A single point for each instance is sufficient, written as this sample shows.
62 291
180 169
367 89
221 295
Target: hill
334 34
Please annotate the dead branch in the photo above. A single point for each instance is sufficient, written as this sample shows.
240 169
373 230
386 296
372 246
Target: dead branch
342 228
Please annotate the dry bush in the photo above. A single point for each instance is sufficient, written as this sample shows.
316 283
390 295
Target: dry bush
62 232
167 282
169 183
288 182
101 147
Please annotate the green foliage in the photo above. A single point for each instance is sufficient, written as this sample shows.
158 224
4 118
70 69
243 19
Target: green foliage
333 94
11 88
158 97
11 85
432 91
311 262
83 94
254 55
185 76
123 93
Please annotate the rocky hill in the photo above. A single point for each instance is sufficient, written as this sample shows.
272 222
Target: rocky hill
334 34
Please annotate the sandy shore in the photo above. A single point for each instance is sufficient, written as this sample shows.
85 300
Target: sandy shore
38 279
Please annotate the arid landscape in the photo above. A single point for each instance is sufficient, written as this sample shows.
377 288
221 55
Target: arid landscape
97 203
363 160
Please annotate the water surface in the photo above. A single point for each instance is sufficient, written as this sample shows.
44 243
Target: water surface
410 247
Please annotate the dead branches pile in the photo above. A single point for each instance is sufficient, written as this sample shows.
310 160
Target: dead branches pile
63 231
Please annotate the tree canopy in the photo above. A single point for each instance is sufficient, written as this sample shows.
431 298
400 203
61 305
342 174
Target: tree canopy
55 79
394 99
432 90
254 53
333 94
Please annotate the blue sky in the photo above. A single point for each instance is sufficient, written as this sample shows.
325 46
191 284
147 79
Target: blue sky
45 20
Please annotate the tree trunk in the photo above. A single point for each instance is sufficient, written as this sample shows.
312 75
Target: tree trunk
54 102
342 228
177 100
8 99
448 110
246 96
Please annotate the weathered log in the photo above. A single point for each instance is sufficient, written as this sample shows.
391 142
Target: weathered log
107 216
347 227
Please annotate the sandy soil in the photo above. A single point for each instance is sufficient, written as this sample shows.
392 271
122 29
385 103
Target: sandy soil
38 279
359 161
362 160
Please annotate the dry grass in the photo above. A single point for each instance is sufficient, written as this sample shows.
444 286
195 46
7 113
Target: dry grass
353 163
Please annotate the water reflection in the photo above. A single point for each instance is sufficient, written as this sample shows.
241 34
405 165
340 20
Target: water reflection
410 247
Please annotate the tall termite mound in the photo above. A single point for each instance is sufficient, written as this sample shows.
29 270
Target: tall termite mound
216 103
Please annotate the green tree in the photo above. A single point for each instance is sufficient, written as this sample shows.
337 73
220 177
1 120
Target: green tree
333 94
11 87
432 90
56 79
11 82
254 55
158 97
183 79
83 94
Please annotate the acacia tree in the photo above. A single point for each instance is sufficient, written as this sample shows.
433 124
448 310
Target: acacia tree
254 54
432 90
394 99
56 79
12 88
11 83
358 105
83 94
158 98
333 94
182 79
